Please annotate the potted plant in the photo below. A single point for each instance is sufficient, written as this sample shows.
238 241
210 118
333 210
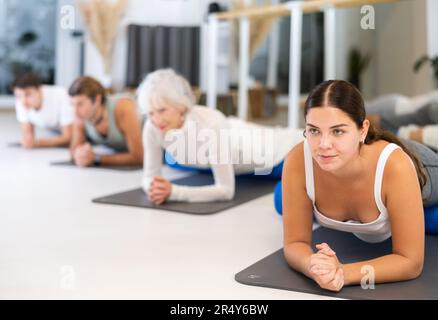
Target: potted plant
433 62
357 63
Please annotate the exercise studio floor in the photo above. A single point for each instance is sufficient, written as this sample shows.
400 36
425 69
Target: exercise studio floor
56 244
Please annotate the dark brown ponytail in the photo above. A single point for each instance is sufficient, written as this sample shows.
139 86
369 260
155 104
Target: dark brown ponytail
346 97
375 134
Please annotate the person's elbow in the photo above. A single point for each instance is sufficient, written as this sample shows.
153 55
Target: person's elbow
411 268
66 139
67 133
227 193
415 268
137 156
138 159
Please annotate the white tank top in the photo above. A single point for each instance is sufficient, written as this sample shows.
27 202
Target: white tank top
376 231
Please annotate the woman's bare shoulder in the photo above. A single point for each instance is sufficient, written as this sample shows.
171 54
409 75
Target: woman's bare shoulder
125 106
397 160
295 158
400 173
398 163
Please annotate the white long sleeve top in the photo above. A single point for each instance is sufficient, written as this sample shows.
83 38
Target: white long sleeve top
227 153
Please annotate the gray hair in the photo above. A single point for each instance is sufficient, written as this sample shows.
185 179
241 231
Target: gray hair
165 86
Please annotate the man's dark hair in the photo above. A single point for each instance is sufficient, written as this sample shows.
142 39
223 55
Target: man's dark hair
87 86
28 80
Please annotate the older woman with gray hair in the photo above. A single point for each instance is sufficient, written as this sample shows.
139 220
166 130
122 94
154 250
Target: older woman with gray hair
203 138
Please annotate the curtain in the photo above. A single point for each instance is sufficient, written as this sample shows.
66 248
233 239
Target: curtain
155 47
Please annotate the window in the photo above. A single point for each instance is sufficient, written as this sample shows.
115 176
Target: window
27 40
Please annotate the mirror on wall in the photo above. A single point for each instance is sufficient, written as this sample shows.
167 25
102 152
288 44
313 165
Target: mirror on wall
312 64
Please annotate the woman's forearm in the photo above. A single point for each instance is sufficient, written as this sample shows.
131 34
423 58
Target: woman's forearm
78 138
298 257
389 268
27 132
120 159
59 141
73 146
209 193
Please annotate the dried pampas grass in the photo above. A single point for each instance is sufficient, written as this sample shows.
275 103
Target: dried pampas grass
102 18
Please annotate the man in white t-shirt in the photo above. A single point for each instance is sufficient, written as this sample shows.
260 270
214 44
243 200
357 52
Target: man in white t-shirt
43 106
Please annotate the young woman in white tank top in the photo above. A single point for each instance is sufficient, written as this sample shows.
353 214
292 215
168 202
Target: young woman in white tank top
354 179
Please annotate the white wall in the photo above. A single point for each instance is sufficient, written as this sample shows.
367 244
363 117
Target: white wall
422 81
401 40
5 102
432 27
67 48
349 34
398 40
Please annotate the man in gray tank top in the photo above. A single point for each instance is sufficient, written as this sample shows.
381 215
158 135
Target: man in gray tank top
110 121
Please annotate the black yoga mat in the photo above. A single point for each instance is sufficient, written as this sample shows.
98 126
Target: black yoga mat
19 145
117 168
247 188
274 272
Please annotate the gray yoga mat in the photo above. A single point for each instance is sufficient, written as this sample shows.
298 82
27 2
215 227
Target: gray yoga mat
274 272
14 144
70 163
247 188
